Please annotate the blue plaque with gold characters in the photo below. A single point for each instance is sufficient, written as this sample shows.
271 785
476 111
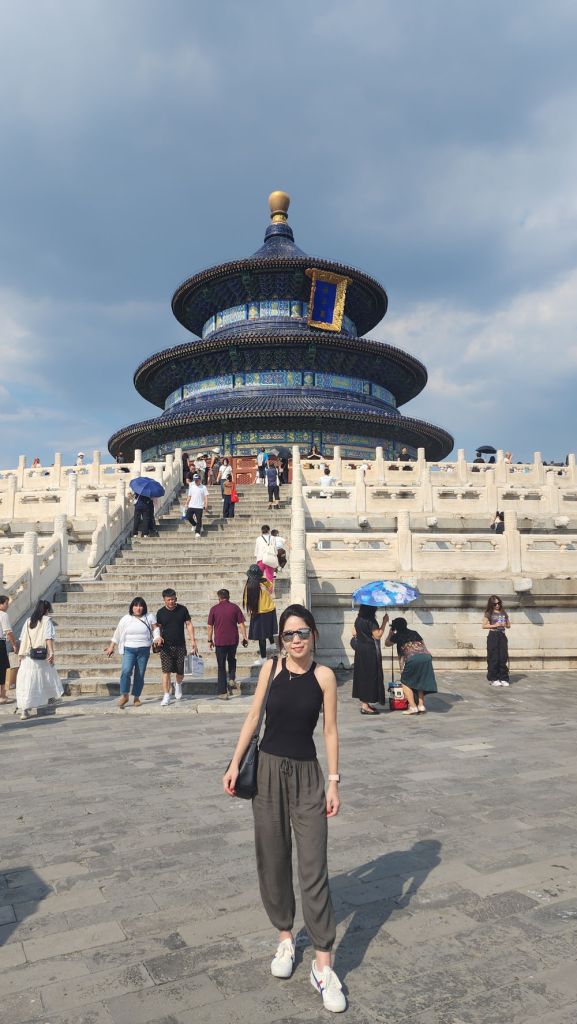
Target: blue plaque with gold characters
327 300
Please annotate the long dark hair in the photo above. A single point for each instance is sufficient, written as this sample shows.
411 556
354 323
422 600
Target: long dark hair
491 606
138 600
300 612
42 608
251 595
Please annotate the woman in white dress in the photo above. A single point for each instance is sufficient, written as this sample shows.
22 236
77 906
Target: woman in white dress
37 682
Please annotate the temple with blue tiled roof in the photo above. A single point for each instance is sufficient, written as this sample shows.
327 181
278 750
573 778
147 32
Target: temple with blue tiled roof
257 372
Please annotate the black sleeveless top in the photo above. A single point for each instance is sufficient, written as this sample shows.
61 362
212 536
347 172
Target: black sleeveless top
292 713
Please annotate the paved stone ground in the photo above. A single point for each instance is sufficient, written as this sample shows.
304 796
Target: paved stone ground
128 890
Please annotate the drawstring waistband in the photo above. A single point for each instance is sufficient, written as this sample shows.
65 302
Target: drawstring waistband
286 767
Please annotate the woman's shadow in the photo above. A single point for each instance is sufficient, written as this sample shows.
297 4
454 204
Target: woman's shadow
392 880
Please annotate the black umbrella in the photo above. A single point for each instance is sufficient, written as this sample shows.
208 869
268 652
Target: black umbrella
486 449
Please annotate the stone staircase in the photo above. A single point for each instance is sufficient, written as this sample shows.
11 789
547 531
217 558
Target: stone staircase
86 613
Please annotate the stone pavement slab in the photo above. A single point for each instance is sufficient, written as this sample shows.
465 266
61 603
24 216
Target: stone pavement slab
128 890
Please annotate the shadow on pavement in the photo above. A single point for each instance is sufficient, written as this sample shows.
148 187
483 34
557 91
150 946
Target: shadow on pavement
389 876
21 891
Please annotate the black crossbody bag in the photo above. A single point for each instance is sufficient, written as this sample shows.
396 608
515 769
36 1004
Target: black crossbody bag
37 653
245 785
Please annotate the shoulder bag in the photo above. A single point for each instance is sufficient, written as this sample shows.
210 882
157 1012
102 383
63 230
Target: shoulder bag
245 785
37 653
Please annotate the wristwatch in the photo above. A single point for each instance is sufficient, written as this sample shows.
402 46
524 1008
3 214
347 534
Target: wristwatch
335 778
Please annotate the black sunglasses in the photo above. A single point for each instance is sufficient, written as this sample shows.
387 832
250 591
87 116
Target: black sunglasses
289 636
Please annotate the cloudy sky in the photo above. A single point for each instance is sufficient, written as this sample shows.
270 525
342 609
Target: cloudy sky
432 145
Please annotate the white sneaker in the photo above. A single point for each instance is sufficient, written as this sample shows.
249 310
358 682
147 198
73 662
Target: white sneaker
496 682
197 536
259 661
330 988
504 682
165 700
282 963
178 691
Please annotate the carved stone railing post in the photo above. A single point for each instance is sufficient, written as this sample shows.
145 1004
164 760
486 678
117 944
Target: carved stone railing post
337 465
56 471
72 494
104 519
120 500
360 490
11 497
462 468
539 468
380 464
137 464
490 491
95 468
426 489
178 462
513 541
21 470
405 541
61 534
551 491
298 566
30 553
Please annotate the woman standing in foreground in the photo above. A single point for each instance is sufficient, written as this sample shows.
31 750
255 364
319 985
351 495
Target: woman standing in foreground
37 682
496 621
291 791
417 673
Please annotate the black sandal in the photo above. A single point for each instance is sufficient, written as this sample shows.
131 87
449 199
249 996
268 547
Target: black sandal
369 711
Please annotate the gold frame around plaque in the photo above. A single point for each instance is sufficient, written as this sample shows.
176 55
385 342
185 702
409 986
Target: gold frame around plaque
339 308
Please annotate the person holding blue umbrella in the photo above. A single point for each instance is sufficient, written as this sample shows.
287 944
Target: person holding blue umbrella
145 489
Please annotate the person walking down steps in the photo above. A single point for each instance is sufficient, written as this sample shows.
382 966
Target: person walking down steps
197 504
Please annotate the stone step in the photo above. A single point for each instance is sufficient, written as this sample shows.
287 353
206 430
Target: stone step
99 668
120 596
193 686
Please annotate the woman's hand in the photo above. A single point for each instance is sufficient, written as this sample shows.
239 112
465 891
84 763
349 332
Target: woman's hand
109 651
229 779
333 800
50 658
385 619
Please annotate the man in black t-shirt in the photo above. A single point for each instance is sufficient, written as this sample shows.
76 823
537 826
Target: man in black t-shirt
172 619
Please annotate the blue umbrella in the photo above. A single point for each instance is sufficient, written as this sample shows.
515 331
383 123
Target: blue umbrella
147 486
382 593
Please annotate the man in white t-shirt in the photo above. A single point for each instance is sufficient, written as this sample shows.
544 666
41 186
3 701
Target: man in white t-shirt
5 634
197 504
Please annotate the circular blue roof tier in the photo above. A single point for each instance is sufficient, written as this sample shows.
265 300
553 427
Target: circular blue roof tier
271 414
284 349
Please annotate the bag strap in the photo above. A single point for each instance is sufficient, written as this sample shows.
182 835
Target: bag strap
264 703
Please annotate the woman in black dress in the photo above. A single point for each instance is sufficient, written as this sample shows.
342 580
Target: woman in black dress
368 684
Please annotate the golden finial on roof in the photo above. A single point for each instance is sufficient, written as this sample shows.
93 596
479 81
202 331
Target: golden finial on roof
279 203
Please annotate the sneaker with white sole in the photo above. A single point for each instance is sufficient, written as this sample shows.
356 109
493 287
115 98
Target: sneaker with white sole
329 987
504 682
165 700
178 691
495 682
282 963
